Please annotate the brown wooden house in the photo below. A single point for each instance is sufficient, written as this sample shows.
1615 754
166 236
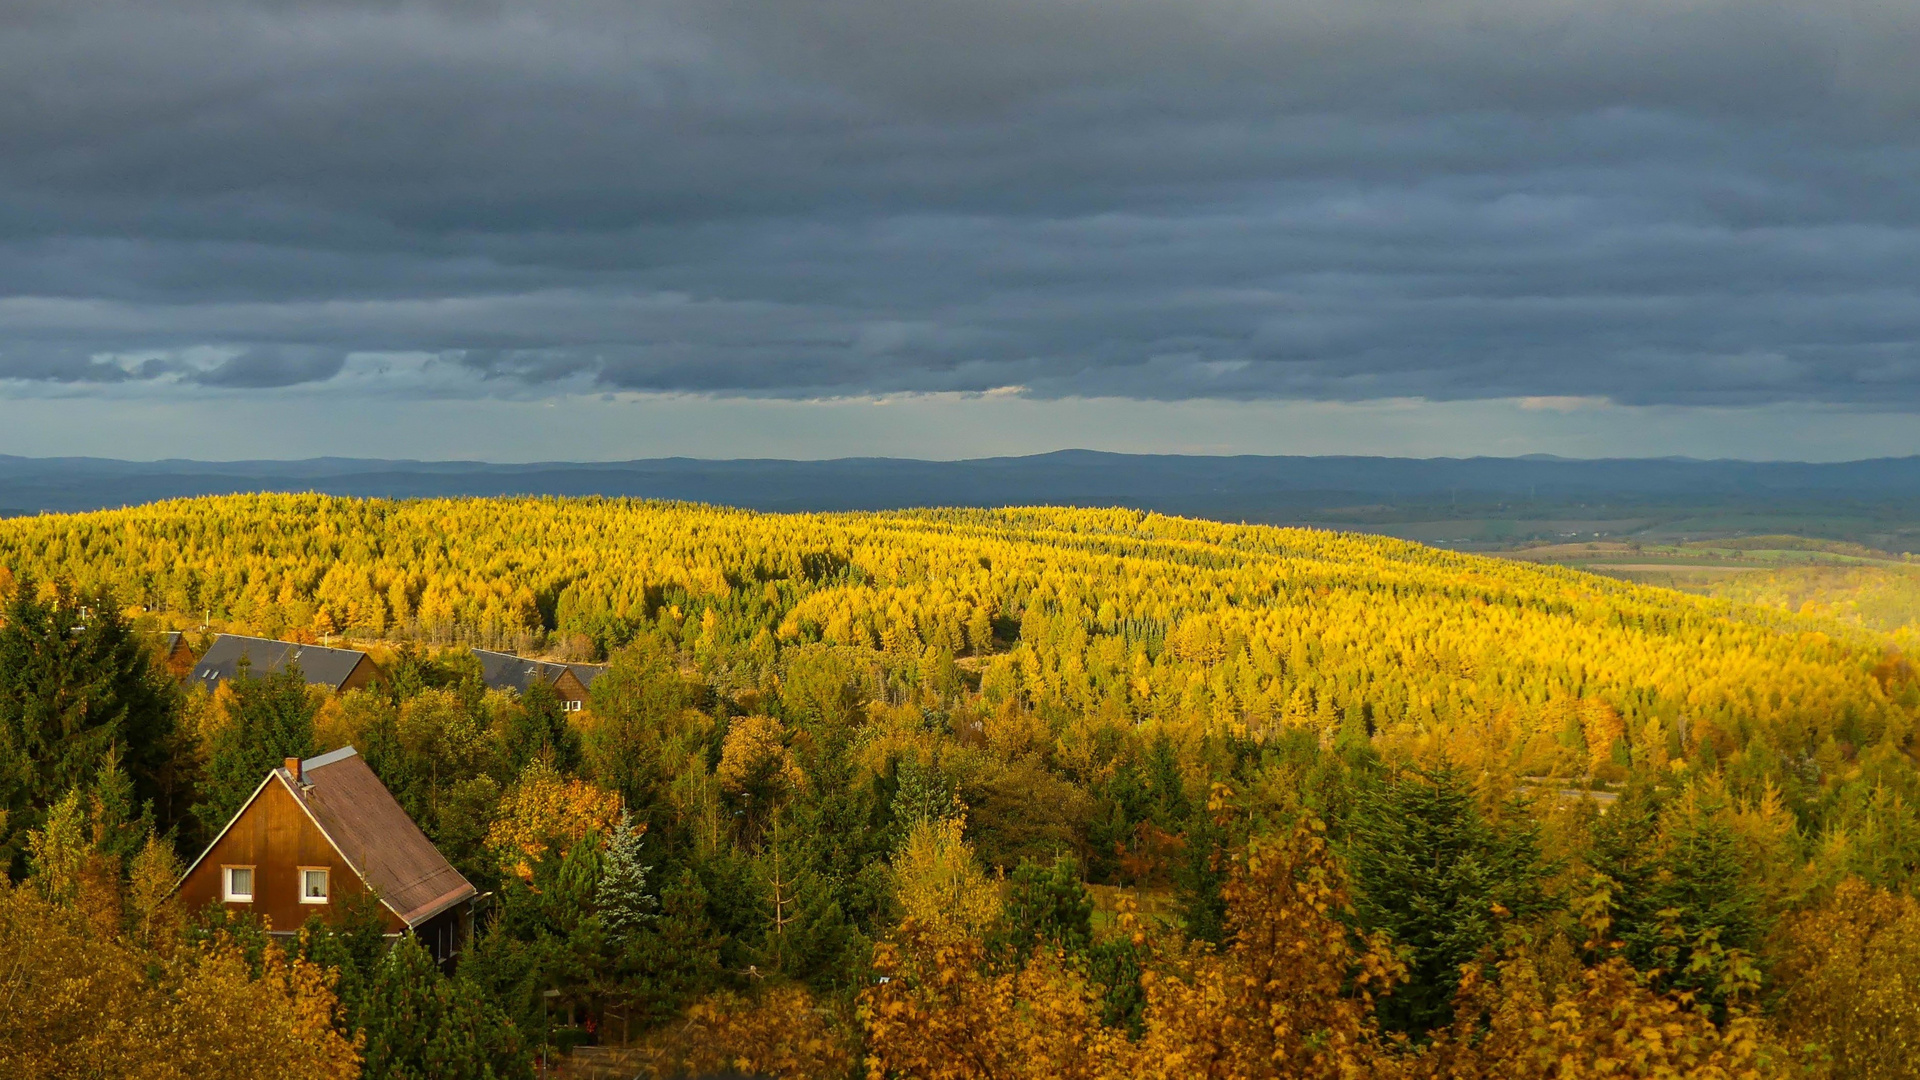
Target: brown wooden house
175 654
505 671
338 670
318 832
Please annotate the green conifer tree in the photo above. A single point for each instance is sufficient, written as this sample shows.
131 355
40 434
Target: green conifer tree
624 899
271 720
1441 878
1049 905
421 1025
77 690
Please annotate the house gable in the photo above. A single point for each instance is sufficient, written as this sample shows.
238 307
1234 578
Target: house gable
276 836
569 687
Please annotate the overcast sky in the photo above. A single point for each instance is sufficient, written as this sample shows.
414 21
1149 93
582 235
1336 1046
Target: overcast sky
550 229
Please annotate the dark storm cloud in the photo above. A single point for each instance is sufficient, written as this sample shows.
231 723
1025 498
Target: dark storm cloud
267 366
1697 203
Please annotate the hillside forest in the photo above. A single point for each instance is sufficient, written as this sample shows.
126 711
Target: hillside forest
957 794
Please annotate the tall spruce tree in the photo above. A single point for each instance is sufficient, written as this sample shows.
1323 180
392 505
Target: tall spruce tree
1441 878
270 720
1681 894
77 690
626 903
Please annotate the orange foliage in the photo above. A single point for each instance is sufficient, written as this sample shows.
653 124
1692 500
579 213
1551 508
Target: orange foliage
542 808
1292 996
1850 972
784 1032
1604 1021
940 1013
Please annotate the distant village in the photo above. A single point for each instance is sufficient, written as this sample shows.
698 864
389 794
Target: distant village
341 670
324 829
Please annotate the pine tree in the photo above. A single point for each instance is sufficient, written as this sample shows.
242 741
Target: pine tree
1441 879
76 690
271 719
538 728
421 1025
1049 905
807 936
1698 903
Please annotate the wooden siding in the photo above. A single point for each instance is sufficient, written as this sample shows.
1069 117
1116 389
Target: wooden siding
275 836
179 661
362 675
569 687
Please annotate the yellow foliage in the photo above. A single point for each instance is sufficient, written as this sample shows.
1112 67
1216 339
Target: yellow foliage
1603 1022
938 1013
940 884
1291 996
783 1033
1850 977
1149 616
754 756
73 1003
544 807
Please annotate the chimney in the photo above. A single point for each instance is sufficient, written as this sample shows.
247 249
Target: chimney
293 767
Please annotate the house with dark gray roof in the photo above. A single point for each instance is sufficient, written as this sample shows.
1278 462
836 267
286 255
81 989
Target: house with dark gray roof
175 654
321 832
338 670
505 671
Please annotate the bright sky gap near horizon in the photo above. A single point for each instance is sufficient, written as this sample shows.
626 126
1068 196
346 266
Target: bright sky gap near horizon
592 229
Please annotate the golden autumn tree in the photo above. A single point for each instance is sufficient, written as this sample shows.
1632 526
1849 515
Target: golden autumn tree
78 1001
1849 972
940 884
1291 996
1546 1014
944 1010
544 807
783 1032
1532 1023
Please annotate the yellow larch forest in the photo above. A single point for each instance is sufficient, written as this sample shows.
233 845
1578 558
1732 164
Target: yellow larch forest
1023 792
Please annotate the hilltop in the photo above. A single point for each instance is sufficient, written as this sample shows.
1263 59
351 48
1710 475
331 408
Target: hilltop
912 785
1115 612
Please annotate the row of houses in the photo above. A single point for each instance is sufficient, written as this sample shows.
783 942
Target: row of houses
320 832
340 670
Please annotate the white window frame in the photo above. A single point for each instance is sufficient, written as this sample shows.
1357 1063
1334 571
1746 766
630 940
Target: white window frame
574 706
226 884
326 899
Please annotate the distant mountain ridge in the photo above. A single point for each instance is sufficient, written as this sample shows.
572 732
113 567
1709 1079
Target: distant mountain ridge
1256 488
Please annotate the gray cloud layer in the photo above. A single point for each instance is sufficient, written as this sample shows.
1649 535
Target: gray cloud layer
1657 201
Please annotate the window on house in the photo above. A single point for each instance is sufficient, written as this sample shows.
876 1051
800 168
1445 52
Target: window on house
573 706
313 885
238 884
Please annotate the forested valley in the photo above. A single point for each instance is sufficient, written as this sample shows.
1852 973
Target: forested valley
956 794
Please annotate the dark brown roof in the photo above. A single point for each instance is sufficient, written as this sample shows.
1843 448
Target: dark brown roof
371 830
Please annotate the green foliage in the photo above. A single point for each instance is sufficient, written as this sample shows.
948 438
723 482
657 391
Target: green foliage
625 902
807 937
1442 879
77 694
421 1025
352 945
1049 905
270 720
538 728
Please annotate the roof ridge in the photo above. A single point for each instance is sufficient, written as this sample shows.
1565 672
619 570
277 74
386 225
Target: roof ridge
328 758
